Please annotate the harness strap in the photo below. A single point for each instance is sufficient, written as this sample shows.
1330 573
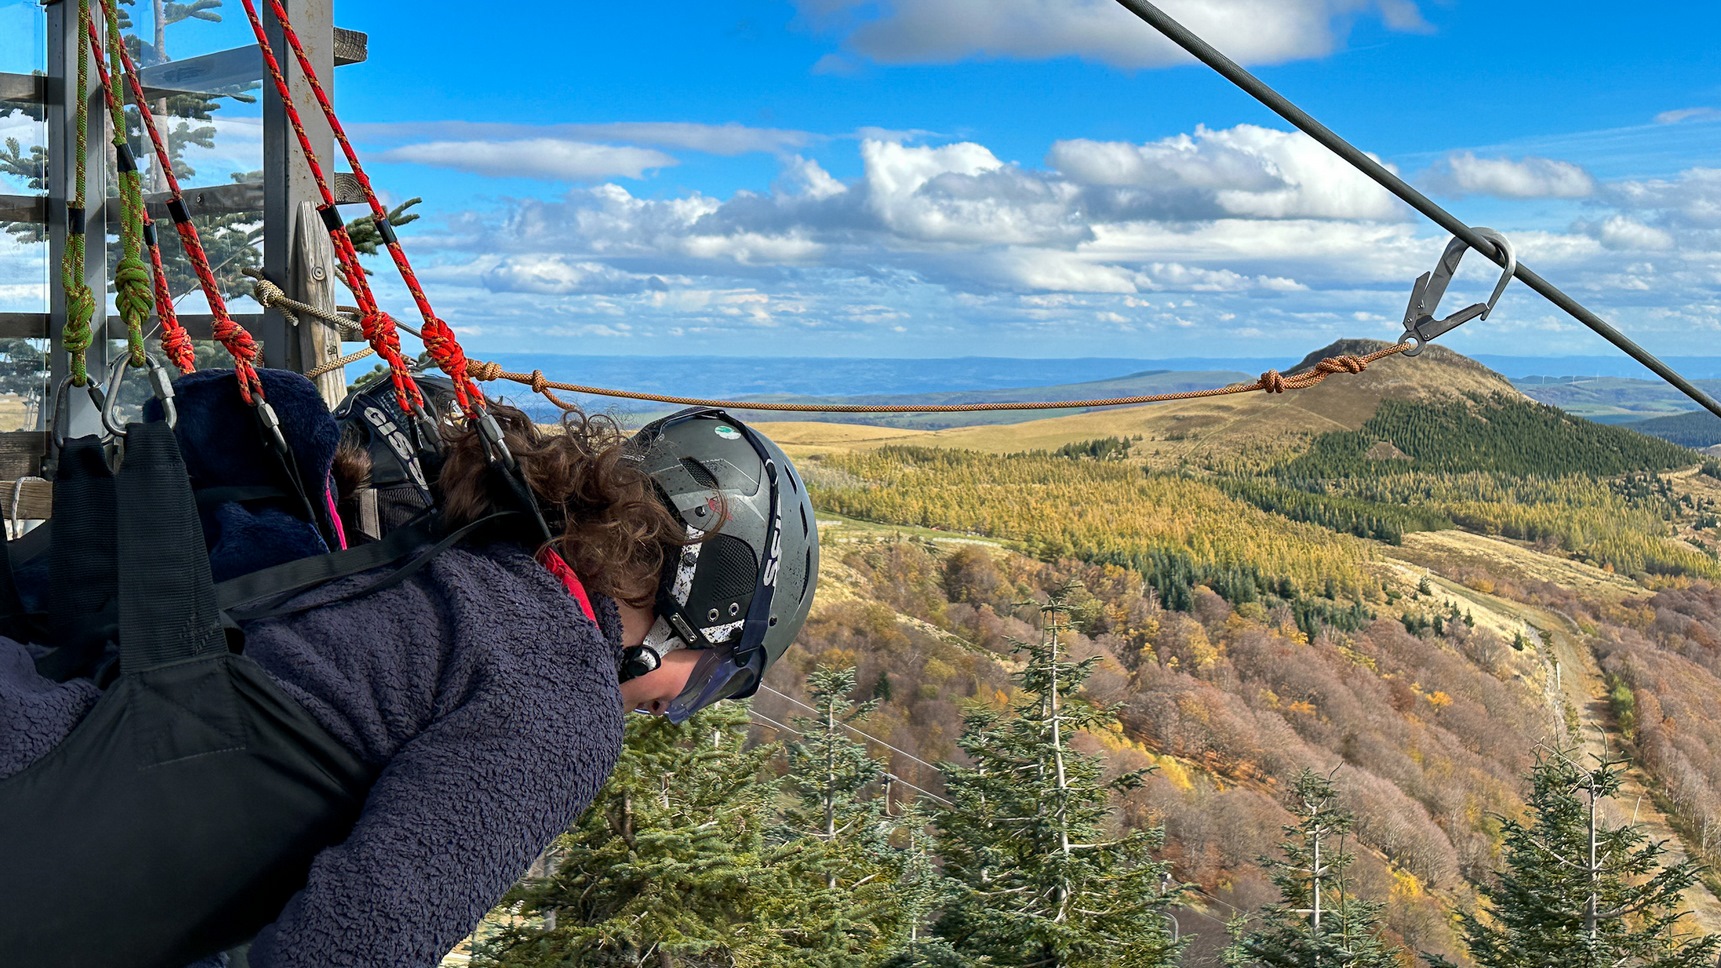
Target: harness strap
82 559
167 598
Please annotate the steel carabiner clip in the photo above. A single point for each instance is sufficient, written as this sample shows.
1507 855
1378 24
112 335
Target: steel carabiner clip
1420 326
160 383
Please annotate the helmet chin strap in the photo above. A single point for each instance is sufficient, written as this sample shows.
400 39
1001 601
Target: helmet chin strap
639 660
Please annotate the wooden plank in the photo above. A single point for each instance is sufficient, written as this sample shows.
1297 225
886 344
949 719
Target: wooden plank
36 325
205 74
313 279
351 47
24 325
199 325
35 500
24 208
21 453
30 88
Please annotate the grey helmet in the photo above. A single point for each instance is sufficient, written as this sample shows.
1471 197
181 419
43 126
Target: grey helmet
742 590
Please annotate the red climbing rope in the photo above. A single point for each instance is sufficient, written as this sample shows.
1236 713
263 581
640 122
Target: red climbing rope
439 338
378 326
231 335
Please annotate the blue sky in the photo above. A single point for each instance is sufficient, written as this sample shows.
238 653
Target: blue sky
1030 177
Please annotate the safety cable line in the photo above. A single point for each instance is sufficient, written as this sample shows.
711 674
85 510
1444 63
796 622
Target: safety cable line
1278 104
229 333
378 327
894 778
439 339
270 296
852 729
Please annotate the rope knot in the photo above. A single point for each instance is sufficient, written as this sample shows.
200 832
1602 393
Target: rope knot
538 382
1273 382
1342 364
484 371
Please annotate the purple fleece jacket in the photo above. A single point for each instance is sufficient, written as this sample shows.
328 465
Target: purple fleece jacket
486 698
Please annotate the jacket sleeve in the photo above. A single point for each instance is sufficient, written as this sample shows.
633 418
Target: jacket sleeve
455 817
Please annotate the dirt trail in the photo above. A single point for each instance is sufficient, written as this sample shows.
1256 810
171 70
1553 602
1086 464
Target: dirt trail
1575 679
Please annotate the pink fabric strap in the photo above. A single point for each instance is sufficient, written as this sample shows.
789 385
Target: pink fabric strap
571 581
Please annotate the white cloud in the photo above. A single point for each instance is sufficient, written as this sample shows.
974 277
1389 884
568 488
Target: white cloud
558 275
716 139
1692 200
1466 174
1245 170
945 31
1623 232
1682 115
549 158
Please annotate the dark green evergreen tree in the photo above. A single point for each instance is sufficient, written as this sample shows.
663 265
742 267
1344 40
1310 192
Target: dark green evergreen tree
1319 920
1036 877
840 828
669 866
1579 892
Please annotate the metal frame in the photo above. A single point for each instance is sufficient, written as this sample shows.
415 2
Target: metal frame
296 254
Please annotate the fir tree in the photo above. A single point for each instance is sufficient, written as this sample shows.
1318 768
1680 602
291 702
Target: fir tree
840 827
1035 879
1579 892
1318 921
668 866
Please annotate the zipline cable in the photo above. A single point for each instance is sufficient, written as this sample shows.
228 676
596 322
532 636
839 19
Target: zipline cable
1278 104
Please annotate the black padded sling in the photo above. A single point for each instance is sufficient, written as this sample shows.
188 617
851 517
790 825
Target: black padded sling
183 812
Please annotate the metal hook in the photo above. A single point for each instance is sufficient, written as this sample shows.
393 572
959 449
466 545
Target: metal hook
1420 326
62 414
160 384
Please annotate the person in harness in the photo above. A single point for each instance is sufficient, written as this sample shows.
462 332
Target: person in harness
478 701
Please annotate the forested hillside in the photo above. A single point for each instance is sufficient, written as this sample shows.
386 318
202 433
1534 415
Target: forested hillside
1400 640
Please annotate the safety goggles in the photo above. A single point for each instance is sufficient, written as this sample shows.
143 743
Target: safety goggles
733 669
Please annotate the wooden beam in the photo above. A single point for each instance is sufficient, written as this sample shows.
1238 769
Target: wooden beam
24 208
35 499
26 88
351 47
21 453
24 325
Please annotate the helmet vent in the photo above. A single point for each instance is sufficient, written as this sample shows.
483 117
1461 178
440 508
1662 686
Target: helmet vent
727 571
701 474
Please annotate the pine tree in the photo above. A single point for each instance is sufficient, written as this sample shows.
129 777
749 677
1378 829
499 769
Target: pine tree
1579 892
1034 877
668 866
839 826
1318 921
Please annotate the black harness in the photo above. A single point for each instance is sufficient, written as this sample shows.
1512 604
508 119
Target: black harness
184 811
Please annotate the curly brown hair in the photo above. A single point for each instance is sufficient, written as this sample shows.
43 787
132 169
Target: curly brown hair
615 531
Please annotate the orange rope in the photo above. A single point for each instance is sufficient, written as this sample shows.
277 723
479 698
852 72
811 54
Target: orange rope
1271 381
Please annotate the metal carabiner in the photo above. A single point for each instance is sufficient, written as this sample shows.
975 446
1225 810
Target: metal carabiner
160 383
1420 326
62 414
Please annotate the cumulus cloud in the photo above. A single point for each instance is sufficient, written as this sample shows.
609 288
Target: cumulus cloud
1623 232
1692 200
1466 174
945 31
1244 171
1245 226
559 275
548 158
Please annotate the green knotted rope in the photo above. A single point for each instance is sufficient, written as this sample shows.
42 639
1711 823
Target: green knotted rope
80 301
134 296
